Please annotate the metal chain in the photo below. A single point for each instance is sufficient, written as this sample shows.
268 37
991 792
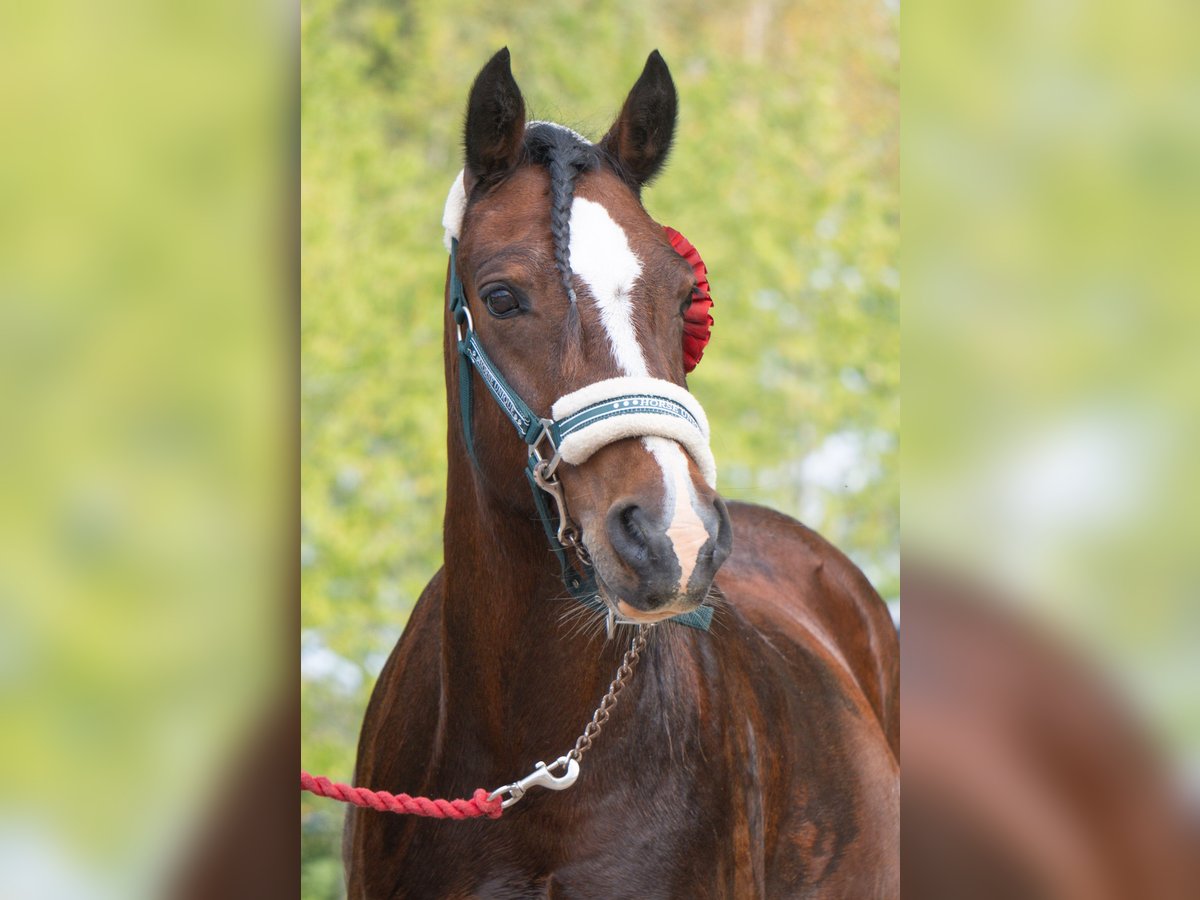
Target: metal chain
604 710
545 776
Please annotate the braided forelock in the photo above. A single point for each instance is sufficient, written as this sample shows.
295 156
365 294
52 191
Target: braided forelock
566 155
562 193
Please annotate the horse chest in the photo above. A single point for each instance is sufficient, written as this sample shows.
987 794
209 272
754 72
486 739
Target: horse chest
635 837
604 860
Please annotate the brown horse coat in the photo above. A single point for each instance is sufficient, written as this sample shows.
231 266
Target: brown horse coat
758 759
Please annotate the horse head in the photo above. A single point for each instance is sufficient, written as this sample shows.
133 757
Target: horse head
573 289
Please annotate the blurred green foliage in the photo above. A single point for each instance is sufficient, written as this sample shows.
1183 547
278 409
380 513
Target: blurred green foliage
1051 358
143 386
784 175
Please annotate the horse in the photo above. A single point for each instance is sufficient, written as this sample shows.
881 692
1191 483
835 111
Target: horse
755 751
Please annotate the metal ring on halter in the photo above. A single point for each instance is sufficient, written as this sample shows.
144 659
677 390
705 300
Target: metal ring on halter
458 324
554 488
540 461
543 474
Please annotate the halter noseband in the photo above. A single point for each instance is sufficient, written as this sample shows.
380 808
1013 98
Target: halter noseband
580 424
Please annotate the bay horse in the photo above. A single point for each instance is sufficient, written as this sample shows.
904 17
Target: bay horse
753 756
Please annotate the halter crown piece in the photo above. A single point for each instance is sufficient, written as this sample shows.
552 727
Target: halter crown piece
583 421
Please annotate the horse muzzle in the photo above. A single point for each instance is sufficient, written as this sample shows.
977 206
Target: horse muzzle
662 558
657 547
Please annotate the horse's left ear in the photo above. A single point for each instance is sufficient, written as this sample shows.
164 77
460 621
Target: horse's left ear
641 137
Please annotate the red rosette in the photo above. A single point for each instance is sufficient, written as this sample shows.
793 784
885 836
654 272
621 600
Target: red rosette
697 321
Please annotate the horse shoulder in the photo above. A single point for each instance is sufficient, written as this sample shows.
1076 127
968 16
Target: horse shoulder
814 655
785 577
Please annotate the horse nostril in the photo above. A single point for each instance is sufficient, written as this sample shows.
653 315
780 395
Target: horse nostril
627 532
633 530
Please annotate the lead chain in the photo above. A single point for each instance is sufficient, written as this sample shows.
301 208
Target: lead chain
604 710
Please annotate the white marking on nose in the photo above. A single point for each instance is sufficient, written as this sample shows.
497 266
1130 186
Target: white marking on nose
685 531
602 257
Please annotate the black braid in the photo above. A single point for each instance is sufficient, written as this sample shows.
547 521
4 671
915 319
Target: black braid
567 156
562 192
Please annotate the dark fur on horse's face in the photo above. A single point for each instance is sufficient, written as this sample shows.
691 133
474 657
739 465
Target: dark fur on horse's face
537 194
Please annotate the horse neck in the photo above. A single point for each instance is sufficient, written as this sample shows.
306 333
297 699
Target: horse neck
502 583
518 676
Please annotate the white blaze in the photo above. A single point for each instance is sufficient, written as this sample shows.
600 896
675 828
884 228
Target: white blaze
602 258
686 532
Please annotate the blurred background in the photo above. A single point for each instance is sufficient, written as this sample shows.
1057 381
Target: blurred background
785 177
1051 673
145 456
150 551
146 441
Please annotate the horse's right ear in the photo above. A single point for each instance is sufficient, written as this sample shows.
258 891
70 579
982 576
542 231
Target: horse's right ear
495 122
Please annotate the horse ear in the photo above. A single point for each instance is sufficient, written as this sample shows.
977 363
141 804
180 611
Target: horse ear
641 137
495 122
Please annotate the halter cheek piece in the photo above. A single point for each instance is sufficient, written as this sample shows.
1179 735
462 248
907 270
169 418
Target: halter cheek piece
580 424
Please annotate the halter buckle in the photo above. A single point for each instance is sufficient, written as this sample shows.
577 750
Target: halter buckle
535 452
543 475
554 487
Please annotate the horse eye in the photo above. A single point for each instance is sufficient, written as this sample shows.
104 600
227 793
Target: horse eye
687 302
501 303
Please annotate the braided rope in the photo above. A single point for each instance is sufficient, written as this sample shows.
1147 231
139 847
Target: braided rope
478 805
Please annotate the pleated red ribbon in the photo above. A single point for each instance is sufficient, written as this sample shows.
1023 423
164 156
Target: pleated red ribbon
697 321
